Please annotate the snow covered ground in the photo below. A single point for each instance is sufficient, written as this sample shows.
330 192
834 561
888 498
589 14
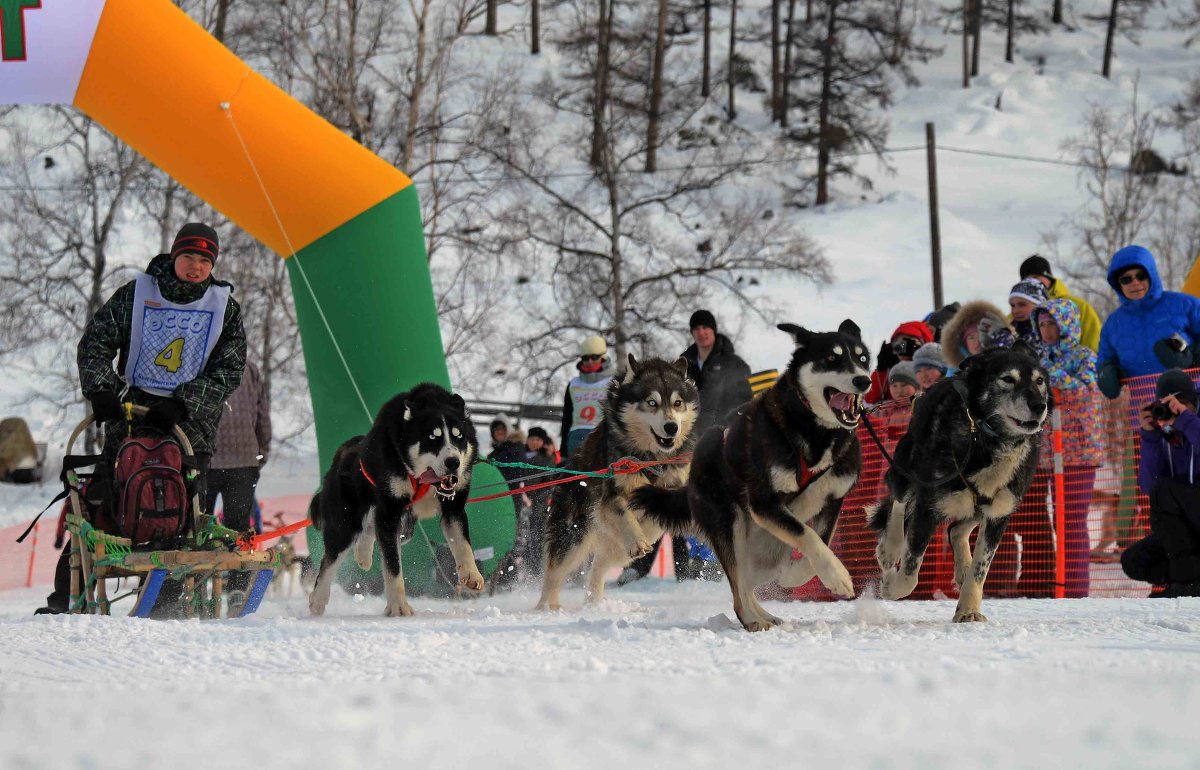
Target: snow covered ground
657 676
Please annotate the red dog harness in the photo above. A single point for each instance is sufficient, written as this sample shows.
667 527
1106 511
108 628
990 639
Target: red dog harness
420 489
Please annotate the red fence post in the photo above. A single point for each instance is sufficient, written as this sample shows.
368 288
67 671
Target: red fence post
32 557
1060 509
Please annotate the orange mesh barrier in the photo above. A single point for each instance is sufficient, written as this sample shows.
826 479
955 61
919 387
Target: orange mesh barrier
1066 536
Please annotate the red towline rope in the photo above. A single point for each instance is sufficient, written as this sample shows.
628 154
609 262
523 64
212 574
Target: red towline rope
619 468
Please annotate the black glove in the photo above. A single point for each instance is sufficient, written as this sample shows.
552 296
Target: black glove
165 415
887 358
1108 379
106 405
58 542
1173 353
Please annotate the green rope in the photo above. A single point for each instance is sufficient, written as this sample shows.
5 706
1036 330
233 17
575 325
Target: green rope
606 474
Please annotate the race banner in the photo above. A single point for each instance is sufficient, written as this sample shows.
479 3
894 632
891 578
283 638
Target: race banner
44 45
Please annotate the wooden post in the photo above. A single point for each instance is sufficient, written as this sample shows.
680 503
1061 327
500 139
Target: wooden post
935 235
966 44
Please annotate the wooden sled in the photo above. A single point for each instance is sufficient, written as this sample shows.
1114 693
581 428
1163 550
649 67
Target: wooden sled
204 553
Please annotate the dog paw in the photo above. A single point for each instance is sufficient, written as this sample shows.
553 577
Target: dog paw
399 609
838 580
886 557
472 580
969 616
364 560
315 605
764 623
897 585
639 549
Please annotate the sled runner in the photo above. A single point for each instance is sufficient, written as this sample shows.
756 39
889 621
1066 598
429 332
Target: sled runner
142 518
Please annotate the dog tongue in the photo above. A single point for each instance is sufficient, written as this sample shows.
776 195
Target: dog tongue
429 477
842 401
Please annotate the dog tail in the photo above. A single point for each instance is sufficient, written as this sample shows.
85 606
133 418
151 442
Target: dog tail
668 507
877 514
314 511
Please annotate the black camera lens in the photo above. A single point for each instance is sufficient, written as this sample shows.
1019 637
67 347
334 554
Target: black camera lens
1160 411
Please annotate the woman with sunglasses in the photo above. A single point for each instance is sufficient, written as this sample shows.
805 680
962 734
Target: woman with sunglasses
1152 330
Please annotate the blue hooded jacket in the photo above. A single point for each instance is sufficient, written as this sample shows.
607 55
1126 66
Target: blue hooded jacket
1128 336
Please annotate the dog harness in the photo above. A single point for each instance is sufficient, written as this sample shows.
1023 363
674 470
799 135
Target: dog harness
420 488
805 476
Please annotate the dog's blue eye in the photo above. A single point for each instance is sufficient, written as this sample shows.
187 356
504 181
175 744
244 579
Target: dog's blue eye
651 403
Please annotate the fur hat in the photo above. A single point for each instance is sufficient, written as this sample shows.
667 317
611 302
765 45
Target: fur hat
1178 382
904 372
593 346
196 238
702 318
1035 265
929 356
1030 290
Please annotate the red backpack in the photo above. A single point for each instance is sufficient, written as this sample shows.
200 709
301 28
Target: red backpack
150 493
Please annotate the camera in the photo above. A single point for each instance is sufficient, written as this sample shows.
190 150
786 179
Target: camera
1160 411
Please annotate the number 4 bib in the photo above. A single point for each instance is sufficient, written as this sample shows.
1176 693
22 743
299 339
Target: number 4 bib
169 343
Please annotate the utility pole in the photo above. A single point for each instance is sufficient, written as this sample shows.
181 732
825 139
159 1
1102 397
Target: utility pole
935 235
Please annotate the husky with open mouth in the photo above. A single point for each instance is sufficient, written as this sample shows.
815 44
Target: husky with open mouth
414 463
967 459
648 415
773 481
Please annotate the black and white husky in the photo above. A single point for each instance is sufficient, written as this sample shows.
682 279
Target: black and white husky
774 480
648 415
414 463
968 458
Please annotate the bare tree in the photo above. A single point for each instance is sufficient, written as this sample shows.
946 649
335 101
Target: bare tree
848 63
71 187
1124 17
656 88
1123 207
731 79
705 78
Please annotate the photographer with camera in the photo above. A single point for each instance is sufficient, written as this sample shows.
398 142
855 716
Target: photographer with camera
1170 436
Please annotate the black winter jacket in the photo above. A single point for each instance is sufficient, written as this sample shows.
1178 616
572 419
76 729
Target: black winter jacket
107 338
724 382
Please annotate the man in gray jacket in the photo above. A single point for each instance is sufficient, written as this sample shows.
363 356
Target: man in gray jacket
243 443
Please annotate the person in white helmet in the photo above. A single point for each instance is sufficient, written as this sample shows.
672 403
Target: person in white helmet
584 400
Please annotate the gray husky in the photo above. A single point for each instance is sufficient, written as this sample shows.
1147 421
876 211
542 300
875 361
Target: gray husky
648 415
968 458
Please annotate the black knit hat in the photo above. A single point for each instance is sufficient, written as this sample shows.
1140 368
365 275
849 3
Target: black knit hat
702 318
196 238
536 432
1178 382
1035 265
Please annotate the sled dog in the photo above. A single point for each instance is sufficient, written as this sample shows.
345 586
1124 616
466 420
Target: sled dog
968 458
414 463
774 480
648 415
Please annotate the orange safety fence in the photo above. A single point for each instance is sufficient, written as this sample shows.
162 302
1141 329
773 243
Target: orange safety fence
1066 536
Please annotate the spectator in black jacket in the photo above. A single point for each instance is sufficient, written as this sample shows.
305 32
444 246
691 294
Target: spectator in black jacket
722 378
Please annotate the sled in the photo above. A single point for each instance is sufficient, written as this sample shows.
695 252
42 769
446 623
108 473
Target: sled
196 559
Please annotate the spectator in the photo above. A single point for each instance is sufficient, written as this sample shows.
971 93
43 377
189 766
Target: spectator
243 443
929 364
532 518
979 324
584 399
1023 299
937 320
182 381
1072 368
722 378
1170 554
906 339
1037 268
902 381
507 448
1151 331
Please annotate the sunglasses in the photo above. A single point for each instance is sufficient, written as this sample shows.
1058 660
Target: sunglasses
1129 278
590 358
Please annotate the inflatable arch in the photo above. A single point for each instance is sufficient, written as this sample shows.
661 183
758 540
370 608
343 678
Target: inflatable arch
347 222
